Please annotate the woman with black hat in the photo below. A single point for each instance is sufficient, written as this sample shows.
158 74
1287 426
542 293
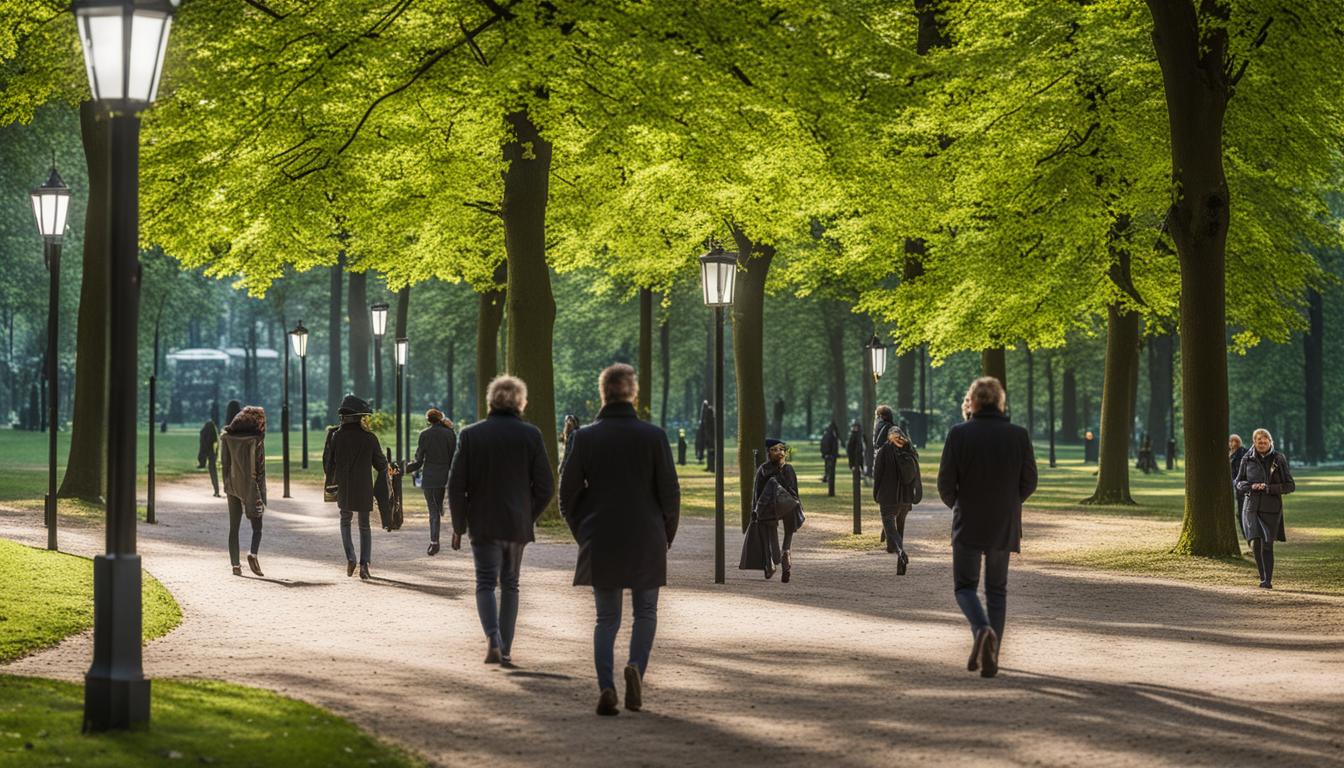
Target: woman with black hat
350 453
776 467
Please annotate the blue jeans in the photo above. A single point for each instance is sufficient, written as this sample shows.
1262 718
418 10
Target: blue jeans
365 536
966 574
434 500
645 603
498 564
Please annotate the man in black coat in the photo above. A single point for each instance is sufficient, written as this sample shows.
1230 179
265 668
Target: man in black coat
988 469
433 457
1236 451
498 486
350 453
830 451
208 450
854 448
620 496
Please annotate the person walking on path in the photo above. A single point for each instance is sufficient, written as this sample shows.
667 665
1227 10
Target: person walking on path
883 421
854 448
987 471
830 451
567 434
433 457
774 499
620 496
351 452
1236 451
1264 479
231 410
243 457
206 452
499 484
897 487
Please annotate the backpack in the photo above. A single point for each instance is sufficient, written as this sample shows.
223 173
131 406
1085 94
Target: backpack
915 490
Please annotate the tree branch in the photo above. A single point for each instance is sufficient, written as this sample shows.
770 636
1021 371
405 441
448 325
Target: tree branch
266 9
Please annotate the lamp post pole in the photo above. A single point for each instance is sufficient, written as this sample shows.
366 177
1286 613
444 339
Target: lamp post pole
379 317
53 254
153 397
284 418
718 279
401 366
298 339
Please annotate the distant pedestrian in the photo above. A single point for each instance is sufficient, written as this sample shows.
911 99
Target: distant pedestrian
681 447
854 448
830 451
206 452
701 435
620 496
711 439
774 500
567 434
897 487
244 463
352 451
499 485
231 410
1236 451
1264 479
987 471
433 457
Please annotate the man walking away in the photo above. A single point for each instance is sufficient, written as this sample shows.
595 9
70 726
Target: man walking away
620 497
830 451
987 471
499 484
433 457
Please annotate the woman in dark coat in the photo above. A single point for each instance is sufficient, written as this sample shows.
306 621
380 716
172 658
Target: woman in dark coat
567 434
854 448
433 457
761 548
207 451
351 452
243 459
895 474
1265 479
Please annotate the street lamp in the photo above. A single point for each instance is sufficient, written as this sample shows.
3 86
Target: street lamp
877 353
284 418
298 340
718 279
123 43
379 311
51 203
403 350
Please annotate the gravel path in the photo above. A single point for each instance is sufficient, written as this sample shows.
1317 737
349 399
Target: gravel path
847 665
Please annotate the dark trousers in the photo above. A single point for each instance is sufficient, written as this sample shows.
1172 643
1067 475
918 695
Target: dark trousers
645 603
434 500
365 536
498 564
1236 513
1263 550
893 525
828 474
214 475
966 575
236 521
770 530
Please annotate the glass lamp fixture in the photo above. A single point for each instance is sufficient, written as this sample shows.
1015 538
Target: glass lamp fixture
878 352
718 276
51 203
124 42
403 349
298 339
379 318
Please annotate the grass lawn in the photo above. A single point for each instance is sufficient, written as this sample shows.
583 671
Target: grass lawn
49 595
191 723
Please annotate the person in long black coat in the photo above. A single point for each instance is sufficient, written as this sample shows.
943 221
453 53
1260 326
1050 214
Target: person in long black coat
1236 451
433 457
499 484
895 472
854 448
351 452
207 451
1264 478
988 469
830 451
761 549
701 434
620 496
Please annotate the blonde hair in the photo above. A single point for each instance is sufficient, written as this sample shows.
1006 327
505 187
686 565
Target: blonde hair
1265 432
985 392
506 393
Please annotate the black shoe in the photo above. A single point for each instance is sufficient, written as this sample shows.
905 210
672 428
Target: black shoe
633 689
254 565
433 548
350 568
787 563
238 571
769 570
217 496
364 571
977 646
492 655
1266 585
989 655
606 703
902 561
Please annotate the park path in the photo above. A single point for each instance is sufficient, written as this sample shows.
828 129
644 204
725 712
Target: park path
848 665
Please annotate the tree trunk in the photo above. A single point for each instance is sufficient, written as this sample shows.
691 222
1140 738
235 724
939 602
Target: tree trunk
361 332
1031 396
907 363
529 301
1159 389
1068 406
335 377
835 345
450 379
87 460
489 314
748 360
665 358
1314 349
811 395
1193 55
645 372
994 362
1122 361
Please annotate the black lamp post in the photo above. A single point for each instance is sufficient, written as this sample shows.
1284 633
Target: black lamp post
284 418
718 279
298 339
51 203
403 350
123 43
379 312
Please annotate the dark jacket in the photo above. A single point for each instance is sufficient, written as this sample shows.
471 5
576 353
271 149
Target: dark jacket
350 454
830 442
988 469
500 481
854 450
1272 470
243 461
786 476
434 455
209 442
620 496
880 430
894 472
1234 461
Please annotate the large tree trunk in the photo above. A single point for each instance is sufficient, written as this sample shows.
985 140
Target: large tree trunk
1031 395
87 461
748 360
1314 349
335 377
1159 389
1192 50
530 303
645 404
489 314
361 332
450 379
994 362
835 316
1068 406
1122 362
665 359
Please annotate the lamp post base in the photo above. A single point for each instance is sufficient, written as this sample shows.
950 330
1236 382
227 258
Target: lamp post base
116 693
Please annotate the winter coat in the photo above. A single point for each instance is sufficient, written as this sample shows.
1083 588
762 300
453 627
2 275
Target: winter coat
880 430
1234 460
830 443
500 481
787 479
209 442
988 469
351 453
895 471
243 460
1263 510
854 450
434 455
620 496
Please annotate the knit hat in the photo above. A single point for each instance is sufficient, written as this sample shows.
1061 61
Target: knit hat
771 442
353 406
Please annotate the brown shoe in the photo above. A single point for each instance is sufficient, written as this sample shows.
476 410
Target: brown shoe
977 647
350 568
989 655
492 655
634 698
237 570
606 703
254 565
364 571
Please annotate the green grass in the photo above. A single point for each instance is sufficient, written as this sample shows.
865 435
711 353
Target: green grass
48 596
191 723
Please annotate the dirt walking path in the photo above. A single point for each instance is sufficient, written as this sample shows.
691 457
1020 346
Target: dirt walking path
847 665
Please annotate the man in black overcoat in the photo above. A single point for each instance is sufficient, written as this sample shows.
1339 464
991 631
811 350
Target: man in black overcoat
830 451
499 484
350 454
620 496
988 469
433 457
